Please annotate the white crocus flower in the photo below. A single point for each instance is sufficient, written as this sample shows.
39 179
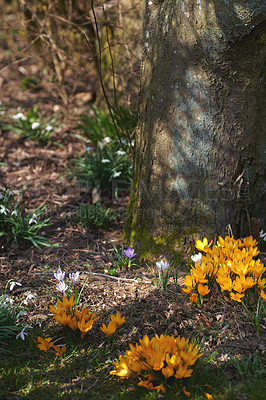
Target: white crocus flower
62 287
162 265
3 210
196 258
105 160
121 152
20 116
263 235
35 125
49 128
117 174
13 284
59 275
74 277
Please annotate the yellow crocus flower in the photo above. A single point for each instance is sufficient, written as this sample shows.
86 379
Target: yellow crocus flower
121 368
193 298
117 319
236 296
183 372
63 318
172 361
68 303
262 283
203 290
263 295
237 285
109 329
44 344
203 245
59 351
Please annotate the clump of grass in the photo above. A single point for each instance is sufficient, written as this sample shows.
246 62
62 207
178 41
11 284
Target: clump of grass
100 124
8 319
32 126
18 226
94 216
102 168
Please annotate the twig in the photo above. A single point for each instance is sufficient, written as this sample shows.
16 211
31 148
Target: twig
97 274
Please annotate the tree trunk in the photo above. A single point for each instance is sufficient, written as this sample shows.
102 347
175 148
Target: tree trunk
200 150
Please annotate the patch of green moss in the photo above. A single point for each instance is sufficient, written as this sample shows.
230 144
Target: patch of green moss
149 245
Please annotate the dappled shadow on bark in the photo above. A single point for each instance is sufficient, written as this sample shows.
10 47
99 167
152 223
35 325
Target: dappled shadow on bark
199 156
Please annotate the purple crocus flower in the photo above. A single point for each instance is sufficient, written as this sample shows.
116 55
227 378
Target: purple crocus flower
129 253
74 277
60 276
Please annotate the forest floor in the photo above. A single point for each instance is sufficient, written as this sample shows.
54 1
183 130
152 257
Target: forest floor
221 328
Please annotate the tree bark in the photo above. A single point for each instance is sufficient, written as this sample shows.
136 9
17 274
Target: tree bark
200 149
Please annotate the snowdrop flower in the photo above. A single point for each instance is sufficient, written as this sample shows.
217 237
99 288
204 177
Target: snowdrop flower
3 210
263 235
28 297
49 128
117 174
10 193
162 265
7 299
2 196
23 334
33 219
74 277
107 139
105 160
121 152
133 143
62 287
21 313
88 149
20 116
35 125
196 258
12 285
14 213
59 275
2 112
